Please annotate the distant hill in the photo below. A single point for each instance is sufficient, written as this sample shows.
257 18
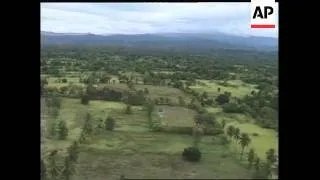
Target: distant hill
177 41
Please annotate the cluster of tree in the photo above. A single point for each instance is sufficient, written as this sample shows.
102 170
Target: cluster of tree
186 67
89 129
263 106
53 170
53 104
104 93
262 169
163 101
58 130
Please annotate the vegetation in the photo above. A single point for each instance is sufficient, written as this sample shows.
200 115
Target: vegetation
143 108
192 154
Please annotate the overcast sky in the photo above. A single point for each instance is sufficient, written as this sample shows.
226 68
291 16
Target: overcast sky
137 18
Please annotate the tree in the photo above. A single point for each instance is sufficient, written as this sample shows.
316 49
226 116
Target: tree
53 168
167 100
146 91
236 134
128 109
68 169
222 99
105 79
271 156
64 80
85 99
257 163
73 152
251 157
87 127
55 112
223 123
204 95
219 89
43 170
82 137
130 85
149 107
230 131
53 130
62 130
197 133
244 142
110 123
181 101
191 154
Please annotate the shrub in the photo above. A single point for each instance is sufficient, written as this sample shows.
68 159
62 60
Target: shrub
62 130
178 130
128 109
213 131
85 99
222 99
255 134
224 155
156 127
64 80
224 140
232 108
110 123
191 154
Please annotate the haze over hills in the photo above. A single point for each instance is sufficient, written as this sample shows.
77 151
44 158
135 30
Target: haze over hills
181 41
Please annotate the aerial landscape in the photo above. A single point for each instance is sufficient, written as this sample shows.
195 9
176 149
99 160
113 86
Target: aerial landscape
157 91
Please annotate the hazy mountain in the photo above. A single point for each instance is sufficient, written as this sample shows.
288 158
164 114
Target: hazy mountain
181 41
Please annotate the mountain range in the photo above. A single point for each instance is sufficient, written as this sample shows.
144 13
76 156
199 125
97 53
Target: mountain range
177 41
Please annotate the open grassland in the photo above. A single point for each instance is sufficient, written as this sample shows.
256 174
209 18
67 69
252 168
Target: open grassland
177 116
236 87
266 139
157 155
165 92
133 150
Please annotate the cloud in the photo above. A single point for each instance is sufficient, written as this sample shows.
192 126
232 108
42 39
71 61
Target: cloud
136 18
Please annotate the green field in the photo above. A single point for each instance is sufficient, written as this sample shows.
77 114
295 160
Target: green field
131 143
266 139
143 135
159 155
236 87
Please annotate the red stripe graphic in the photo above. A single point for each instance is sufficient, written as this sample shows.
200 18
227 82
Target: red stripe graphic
263 25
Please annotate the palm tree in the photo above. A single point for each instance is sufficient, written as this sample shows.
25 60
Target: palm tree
223 123
230 131
43 170
54 170
271 156
257 163
73 152
244 142
236 134
69 168
251 157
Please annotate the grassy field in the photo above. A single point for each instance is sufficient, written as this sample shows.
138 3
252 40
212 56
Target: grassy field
236 87
266 139
133 150
163 91
157 155
177 116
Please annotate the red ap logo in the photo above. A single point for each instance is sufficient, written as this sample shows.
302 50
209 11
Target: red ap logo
263 14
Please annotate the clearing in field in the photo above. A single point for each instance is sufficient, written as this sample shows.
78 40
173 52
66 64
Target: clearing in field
176 116
236 87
